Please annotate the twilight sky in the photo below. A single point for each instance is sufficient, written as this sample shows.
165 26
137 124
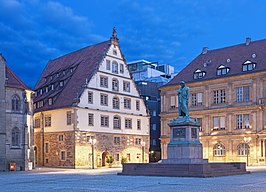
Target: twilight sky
32 32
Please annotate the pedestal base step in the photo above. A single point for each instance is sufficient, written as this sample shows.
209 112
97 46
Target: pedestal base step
184 170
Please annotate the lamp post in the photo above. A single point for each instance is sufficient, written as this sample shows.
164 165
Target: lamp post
143 147
92 141
247 141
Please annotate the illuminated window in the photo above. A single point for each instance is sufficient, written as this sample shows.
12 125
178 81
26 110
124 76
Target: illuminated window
242 149
218 150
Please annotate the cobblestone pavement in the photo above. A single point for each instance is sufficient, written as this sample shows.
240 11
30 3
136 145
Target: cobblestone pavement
105 180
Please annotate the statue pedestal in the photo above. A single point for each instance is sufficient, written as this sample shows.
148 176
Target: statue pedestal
184 146
184 156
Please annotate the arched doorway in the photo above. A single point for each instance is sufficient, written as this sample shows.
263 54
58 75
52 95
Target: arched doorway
104 155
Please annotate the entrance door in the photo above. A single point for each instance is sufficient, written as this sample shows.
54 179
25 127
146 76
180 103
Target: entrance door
104 155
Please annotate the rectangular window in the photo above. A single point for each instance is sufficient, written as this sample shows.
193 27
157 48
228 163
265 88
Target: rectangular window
218 123
50 101
219 96
90 97
128 157
104 121
196 99
128 123
138 124
121 68
90 119
63 155
108 65
47 121
242 94
61 137
154 113
104 81
173 102
137 105
116 140
69 118
46 147
154 127
117 157
138 141
126 86
37 123
242 121
127 103
104 99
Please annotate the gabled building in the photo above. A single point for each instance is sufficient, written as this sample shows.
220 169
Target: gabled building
16 124
228 97
89 95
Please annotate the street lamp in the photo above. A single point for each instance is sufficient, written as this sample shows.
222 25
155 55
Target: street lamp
92 141
143 147
247 141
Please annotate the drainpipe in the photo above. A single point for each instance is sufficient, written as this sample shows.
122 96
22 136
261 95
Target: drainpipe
42 116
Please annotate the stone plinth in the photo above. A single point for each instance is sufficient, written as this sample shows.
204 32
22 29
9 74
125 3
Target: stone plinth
184 156
184 146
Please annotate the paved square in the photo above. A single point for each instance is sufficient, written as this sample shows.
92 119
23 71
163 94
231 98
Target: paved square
105 180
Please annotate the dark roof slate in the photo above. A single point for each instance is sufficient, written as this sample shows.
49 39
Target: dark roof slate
84 63
13 81
238 54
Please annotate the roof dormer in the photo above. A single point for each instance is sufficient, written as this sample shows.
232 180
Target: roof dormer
198 74
222 70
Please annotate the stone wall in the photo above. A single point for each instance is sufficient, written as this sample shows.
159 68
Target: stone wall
2 116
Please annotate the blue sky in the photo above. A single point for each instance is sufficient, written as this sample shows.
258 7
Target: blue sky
32 32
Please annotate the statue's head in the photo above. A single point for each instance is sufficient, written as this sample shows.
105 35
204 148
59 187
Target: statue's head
182 83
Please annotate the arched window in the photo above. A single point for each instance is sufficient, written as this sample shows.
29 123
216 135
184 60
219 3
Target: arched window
15 103
116 103
218 150
114 67
15 137
242 149
117 122
115 85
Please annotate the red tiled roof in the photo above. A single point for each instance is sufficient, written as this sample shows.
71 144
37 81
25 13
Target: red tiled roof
238 54
13 80
83 62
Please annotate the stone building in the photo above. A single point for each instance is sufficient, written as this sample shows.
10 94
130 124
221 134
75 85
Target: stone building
16 124
84 95
228 97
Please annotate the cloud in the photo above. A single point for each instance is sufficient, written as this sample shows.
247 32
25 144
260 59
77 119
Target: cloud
33 32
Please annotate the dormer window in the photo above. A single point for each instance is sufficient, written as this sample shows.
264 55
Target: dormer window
50 101
58 74
198 74
71 70
51 78
40 91
222 70
52 87
46 89
61 83
248 66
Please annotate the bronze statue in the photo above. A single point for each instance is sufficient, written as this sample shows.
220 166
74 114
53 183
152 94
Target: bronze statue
183 97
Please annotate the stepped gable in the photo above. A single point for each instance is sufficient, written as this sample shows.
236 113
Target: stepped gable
73 69
13 81
210 60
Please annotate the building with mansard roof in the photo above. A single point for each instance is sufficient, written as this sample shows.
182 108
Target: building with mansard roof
228 97
84 96
16 124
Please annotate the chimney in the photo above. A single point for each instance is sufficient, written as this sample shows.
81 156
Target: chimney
204 50
248 40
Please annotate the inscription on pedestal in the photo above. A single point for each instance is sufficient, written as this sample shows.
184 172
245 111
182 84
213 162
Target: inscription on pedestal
179 132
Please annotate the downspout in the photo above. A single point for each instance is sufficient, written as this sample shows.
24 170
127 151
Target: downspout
42 116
